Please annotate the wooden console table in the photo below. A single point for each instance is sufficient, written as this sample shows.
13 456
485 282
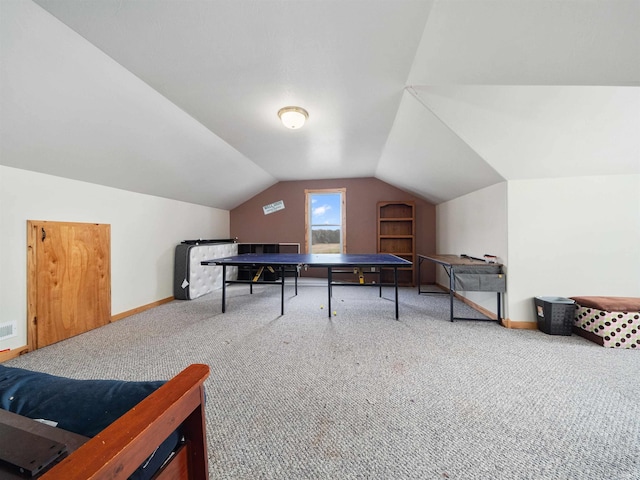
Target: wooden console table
481 277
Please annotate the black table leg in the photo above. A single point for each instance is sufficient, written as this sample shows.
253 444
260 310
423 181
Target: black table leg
329 281
282 291
395 281
224 285
451 285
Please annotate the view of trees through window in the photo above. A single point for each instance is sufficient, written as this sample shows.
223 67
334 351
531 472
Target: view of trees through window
325 216
325 236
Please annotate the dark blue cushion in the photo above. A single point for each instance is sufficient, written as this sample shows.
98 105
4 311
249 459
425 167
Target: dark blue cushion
85 407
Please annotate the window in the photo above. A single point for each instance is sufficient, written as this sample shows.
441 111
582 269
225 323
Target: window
325 221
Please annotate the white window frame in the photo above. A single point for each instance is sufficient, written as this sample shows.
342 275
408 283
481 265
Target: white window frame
308 194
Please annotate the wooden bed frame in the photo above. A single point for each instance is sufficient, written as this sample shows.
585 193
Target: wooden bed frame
117 451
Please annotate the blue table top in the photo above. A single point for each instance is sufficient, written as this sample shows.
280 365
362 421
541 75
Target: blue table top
313 260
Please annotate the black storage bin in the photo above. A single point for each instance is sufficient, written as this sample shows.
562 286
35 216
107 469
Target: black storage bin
555 315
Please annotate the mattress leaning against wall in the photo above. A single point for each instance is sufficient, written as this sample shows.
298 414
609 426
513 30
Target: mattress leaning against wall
191 279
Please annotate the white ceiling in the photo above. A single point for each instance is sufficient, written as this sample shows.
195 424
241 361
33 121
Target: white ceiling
438 97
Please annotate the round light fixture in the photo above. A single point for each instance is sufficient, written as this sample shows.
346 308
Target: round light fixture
293 117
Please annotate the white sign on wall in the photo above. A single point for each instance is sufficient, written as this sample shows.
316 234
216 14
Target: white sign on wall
273 207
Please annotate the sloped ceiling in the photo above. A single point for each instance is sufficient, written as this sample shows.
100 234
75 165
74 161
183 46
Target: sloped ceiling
439 97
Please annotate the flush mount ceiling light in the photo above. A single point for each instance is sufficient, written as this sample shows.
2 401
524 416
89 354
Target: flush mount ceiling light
293 117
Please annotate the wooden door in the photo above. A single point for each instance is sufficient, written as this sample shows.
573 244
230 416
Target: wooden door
69 280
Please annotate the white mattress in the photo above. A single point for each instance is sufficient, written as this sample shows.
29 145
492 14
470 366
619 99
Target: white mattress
205 279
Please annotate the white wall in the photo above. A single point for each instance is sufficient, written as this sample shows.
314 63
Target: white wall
557 237
475 224
573 236
144 233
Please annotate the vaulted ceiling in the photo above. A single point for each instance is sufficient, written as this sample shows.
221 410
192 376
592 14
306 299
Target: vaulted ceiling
437 97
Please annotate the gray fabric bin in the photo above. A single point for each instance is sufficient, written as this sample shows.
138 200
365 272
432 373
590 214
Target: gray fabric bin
480 282
485 268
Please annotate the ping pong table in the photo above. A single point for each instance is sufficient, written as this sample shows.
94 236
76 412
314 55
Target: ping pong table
257 262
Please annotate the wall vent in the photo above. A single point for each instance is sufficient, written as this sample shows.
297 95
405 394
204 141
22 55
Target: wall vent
7 330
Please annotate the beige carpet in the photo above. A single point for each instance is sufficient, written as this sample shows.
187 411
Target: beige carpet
363 396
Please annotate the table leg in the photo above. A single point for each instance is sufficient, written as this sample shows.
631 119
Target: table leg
451 285
224 285
395 281
329 280
282 291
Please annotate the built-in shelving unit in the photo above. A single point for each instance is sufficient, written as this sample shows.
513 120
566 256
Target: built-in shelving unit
397 235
